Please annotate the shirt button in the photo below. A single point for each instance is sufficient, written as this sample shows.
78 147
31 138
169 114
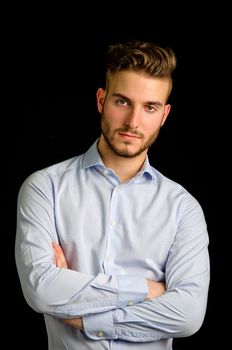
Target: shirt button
130 302
108 258
113 223
100 334
106 172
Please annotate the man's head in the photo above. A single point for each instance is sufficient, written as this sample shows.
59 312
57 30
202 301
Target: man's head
134 105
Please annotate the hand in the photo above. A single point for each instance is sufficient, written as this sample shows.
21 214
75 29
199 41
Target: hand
75 323
59 257
155 289
60 261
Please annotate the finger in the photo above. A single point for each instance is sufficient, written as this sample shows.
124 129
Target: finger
57 259
59 256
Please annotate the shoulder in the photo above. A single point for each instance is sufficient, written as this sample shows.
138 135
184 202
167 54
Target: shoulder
46 177
60 169
174 191
165 182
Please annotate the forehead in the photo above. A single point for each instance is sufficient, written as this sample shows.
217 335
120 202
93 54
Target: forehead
136 85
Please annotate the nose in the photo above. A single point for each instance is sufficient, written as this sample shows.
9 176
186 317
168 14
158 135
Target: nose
133 118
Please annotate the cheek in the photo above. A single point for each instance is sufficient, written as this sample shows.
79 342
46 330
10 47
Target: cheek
113 116
150 126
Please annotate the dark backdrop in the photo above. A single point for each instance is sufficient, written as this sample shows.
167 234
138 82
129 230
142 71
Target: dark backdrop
58 66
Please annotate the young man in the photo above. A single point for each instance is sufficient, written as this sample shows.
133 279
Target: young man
113 253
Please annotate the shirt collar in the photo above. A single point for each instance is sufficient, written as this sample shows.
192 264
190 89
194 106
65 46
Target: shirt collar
92 158
148 170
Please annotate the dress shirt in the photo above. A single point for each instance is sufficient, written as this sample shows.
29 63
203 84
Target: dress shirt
114 236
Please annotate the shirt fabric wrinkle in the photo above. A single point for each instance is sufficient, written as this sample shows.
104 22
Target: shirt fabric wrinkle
115 236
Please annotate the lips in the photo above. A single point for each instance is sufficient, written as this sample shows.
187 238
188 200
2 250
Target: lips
129 135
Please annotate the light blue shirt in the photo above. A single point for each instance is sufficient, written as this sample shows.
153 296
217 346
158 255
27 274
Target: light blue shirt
114 236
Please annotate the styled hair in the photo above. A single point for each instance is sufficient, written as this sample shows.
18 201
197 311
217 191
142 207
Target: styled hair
138 56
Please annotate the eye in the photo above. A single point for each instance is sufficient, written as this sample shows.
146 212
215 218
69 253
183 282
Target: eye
151 108
122 102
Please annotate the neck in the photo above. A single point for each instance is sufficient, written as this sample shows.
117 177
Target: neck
125 167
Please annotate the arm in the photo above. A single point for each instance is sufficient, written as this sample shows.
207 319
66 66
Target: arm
58 291
180 311
155 289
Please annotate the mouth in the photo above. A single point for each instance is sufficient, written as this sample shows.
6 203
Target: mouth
129 136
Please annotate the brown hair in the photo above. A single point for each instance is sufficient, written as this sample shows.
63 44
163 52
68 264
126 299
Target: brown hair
145 57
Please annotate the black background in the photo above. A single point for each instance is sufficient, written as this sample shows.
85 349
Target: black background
56 66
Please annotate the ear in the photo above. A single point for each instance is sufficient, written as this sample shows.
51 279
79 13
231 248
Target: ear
100 99
167 109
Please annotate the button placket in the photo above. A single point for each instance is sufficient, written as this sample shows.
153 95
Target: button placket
111 251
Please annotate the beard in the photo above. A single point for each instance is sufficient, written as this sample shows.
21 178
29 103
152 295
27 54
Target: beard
116 148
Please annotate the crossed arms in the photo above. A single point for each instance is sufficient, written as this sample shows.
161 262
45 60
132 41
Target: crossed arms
71 293
155 289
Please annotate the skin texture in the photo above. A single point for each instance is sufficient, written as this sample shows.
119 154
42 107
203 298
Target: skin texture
133 109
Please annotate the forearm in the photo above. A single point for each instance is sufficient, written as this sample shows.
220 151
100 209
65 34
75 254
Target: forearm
155 289
176 313
66 293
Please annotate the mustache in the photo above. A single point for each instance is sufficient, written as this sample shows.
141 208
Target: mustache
130 130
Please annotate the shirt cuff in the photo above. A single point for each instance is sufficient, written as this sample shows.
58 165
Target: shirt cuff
131 290
99 326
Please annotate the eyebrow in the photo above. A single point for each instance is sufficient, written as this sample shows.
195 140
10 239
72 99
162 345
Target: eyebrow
156 103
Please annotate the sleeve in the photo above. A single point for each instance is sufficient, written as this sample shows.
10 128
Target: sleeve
61 292
180 311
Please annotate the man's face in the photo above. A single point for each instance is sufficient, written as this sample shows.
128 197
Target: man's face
132 111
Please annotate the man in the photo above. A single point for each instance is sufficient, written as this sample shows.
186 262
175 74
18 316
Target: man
113 253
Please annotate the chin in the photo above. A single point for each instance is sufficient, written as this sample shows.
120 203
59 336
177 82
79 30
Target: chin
125 152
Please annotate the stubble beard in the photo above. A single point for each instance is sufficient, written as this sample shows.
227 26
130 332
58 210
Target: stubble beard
109 139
